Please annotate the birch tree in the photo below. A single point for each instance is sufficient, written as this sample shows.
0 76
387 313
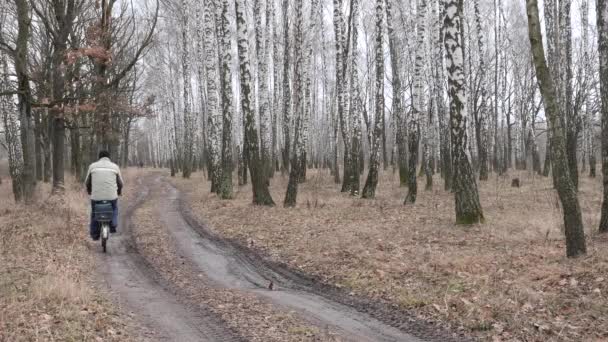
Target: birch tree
213 104
417 104
188 115
309 102
439 90
259 178
356 103
369 190
602 28
468 207
298 102
24 96
480 108
573 120
286 88
398 108
227 106
575 236
11 132
264 103
586 76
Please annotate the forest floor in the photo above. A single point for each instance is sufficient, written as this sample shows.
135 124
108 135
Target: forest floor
231 288
49 288
505 280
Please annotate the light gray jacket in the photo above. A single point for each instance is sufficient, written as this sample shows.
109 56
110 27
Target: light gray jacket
104 181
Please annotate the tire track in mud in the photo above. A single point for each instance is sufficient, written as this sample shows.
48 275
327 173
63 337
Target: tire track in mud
230 265
143 292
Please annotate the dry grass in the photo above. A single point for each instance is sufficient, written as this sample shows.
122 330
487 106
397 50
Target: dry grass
47 281
505 280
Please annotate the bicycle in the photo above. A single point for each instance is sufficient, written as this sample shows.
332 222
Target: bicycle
103 213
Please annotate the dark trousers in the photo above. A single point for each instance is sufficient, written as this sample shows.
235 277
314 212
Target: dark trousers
94 225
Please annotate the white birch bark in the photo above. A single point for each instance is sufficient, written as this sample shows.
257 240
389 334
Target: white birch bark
261 195
189 126
213 101
262 48
418 111
11 132
468 207
602 26
369 190
227 98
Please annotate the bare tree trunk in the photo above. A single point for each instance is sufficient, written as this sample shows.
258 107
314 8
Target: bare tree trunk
213 105
573 120
259 179
64 13
398 108
262 47
276 88
286 88
356 105
294 173
25 98
12 134
602 27
342 41
188 148
439 89
481 113
575 236
227 107
369 190
418 111
38 145
47 131
468 207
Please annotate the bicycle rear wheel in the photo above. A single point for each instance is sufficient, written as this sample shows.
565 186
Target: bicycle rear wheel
104 236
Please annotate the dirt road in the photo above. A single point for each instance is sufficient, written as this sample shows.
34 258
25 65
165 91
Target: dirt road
165 318
228 266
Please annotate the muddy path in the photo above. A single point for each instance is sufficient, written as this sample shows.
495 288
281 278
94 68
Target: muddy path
138 289
229 265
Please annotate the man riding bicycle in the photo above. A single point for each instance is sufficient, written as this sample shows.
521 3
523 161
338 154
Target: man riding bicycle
104 184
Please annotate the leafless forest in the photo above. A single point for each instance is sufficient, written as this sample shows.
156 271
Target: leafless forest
445 160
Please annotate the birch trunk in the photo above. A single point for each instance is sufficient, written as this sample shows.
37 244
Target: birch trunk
588 116
480 120
11 134
439 89
188 115
294 172
26 124
398 110
286 88
276 88
213 104
259 179
227 106
355 105
342 93
264 104
468 207
418 111
369 190
602 27
573 120
573 223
